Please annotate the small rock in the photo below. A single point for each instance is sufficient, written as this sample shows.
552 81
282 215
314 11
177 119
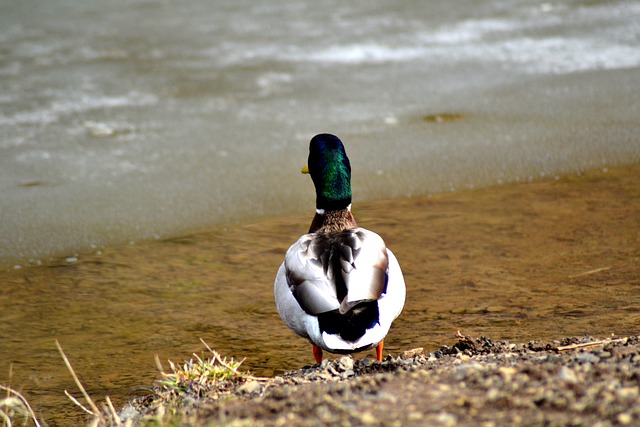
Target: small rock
446 419
348 373
249 387
412 353
333 371
624 418
345 363
367 418
493 394
415 416
507 372
567 375
128 413
365 362
466 370
587 358
627 393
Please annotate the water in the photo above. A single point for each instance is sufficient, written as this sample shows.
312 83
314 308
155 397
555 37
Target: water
132 121
125 121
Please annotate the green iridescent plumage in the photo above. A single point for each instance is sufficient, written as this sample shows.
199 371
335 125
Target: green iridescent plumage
331 172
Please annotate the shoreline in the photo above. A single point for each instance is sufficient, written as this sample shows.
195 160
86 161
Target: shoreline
518 262
577 380
69 256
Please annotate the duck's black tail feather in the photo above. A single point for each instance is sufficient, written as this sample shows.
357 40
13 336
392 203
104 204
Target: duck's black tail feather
353 324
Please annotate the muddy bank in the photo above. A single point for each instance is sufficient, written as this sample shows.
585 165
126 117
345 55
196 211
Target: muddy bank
476 381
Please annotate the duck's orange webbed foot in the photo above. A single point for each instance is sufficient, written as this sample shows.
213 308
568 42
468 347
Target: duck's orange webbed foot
317 353
379 348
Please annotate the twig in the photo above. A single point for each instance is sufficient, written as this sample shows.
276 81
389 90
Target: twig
587 344
10 378
93 406
159 364
24 402
7 419
74 400
113 412
587 273
217 357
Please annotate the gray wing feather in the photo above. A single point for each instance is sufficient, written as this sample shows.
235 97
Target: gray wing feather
337 271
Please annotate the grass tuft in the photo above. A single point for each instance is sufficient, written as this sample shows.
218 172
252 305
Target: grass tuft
212 378
203 373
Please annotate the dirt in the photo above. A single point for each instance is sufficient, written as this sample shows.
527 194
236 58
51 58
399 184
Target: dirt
476 381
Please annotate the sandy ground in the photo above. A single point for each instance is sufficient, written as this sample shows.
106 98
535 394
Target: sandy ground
575 381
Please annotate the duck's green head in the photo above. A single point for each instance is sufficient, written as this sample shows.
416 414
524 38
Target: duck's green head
330 170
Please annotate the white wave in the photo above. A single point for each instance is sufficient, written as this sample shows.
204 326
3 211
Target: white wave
361 53
76 104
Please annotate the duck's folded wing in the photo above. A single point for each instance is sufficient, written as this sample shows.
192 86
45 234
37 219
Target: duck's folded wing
364 266
337 271
308 278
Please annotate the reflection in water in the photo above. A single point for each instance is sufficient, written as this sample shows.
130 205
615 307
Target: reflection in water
518 262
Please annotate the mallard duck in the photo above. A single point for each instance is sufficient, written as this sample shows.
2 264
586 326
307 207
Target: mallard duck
339 285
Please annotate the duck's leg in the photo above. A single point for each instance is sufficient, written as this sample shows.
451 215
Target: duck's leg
317 353
379 350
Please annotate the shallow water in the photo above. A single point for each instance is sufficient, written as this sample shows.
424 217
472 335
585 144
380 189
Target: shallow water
527 261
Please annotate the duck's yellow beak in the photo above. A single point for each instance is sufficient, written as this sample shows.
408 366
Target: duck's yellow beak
305 169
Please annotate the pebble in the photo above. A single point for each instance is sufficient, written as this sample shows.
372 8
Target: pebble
624 418
567 375
415 416
412 353
345 363
367 418
348 373
491 384
587 358
628 393
446 419
249 387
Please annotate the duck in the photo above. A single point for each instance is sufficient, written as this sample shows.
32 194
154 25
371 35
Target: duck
339 286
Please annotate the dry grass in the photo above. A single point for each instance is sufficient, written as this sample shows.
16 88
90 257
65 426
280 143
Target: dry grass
107 417
205 372
13 406
215 375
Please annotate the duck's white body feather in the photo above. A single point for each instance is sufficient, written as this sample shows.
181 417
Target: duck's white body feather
326 278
